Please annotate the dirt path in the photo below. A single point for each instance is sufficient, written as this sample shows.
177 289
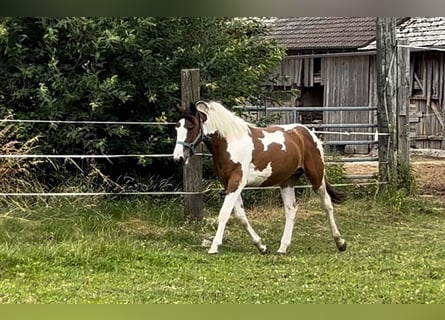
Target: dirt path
429 172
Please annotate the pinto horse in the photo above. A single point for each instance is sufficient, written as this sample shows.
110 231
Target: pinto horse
245 155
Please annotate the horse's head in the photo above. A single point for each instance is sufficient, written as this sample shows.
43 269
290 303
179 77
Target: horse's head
189 131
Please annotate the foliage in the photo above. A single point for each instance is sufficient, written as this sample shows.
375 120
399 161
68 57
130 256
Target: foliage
123 69
335 172
138 251
399 188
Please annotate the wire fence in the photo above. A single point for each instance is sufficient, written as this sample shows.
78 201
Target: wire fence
166 193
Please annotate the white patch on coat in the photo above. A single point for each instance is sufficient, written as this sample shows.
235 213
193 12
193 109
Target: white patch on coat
181 134
256 177
241 152
273 137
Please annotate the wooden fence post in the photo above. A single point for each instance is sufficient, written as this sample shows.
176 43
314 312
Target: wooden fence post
192 174
386 61
403 95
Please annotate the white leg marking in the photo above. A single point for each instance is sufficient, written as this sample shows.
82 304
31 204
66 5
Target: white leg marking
223 217
329 209
290 209
241 215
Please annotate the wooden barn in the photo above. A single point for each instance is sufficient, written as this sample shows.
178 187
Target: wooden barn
332 61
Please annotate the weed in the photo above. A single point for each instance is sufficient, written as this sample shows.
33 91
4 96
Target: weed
397 193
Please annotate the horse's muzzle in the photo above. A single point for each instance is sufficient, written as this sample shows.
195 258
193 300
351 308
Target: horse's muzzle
184 160
179 160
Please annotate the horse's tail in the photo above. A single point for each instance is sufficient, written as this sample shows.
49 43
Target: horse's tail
337 197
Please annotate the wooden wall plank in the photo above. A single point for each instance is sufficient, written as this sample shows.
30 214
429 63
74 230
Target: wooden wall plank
347 84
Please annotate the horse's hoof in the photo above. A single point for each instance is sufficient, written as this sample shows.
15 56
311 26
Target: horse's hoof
281 253
341 246
212 251
263 250
206 242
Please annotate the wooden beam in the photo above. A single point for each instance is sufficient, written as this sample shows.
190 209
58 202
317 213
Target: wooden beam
192 174
403 103
386 61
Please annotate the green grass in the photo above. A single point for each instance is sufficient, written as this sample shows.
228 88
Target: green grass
143 251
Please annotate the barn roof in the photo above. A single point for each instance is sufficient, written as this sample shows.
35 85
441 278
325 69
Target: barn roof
421 32
300 33
351 33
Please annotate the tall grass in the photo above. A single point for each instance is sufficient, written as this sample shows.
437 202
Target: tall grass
40 175
17 173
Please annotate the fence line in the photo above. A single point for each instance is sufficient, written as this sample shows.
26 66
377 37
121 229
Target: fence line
81 194
351 133
340 125
356 125
86 122
309 125
310 109
84 156
162 193
27 156
177 193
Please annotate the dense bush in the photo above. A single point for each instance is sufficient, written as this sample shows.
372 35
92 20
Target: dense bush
123 69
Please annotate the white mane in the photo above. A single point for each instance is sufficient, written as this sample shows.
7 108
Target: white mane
223 121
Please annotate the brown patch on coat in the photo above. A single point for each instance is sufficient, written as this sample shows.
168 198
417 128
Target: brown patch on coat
312 158
301 154
229 173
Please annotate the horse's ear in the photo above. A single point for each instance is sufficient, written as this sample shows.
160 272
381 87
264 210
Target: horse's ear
192 108
180 108
202 116
202 107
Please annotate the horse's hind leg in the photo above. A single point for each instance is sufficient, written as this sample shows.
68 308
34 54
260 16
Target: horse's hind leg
241 215
329 209
314 171
290 209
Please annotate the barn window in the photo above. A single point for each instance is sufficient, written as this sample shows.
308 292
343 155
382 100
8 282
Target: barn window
317 70
418 77
425 76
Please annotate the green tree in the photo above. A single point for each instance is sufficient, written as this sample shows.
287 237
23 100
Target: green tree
124 69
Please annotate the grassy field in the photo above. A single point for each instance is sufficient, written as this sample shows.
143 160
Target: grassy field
143 251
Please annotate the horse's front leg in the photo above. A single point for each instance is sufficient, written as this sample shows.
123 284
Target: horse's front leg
241 215
223 217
